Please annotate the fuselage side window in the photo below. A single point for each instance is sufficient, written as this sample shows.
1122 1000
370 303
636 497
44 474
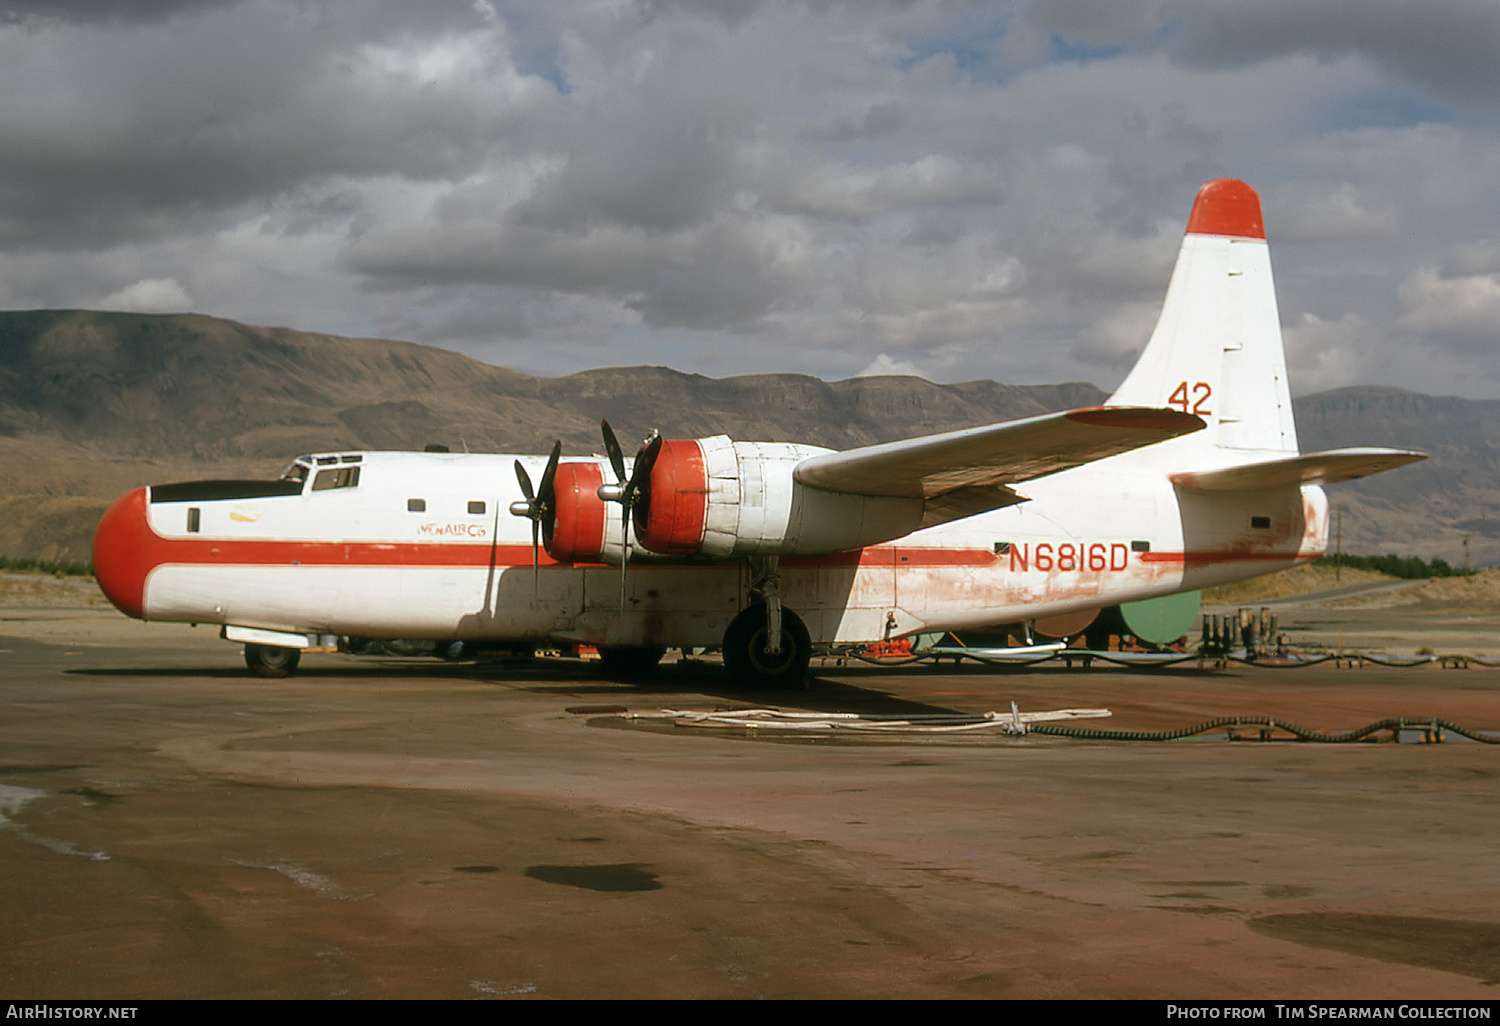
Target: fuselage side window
336 477
476 505
416 505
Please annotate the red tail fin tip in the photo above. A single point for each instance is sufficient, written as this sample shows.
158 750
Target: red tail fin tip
1227 206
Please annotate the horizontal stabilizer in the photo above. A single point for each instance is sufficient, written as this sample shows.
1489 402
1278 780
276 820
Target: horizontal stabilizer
979 462
1318 468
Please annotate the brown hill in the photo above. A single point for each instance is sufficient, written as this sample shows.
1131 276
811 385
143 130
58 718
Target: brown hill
93 404
1427 509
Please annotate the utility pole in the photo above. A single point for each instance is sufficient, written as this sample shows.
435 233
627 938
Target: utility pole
1338 543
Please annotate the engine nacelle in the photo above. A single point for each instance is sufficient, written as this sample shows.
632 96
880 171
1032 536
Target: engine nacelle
717 498
580 527
672 511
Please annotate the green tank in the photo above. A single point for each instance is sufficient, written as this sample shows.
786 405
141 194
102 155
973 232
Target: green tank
1163 620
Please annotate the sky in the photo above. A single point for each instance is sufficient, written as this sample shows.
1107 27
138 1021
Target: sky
959 190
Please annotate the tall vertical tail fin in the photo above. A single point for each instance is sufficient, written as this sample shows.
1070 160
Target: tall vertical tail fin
1216 351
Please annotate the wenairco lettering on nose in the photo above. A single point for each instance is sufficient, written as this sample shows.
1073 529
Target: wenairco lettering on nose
1070 557
452 530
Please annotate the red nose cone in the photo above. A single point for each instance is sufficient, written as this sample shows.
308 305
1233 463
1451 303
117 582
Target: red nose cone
124 553
1227 206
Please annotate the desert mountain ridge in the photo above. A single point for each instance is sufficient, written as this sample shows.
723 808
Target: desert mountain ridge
93 404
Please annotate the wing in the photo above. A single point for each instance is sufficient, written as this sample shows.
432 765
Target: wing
1320 468
960 473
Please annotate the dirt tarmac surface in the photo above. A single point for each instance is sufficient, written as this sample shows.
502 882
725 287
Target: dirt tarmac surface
381 827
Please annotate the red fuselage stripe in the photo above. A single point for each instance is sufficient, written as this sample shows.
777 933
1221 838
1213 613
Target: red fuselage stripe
224 552
1209 557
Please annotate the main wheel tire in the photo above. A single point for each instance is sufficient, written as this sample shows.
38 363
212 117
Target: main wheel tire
630 660
455 651
748 662
272 660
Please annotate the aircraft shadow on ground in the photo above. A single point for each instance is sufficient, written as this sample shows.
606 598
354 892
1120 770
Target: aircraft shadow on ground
823 694
851 688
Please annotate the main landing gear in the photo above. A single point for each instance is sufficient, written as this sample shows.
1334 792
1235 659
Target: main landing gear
271 660
766 645
751 660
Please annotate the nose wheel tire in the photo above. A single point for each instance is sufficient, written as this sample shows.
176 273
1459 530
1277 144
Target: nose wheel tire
271 660
751 665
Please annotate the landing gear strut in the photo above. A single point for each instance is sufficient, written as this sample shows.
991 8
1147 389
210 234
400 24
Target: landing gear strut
767 645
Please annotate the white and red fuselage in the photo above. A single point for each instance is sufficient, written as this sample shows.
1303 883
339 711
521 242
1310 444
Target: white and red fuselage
423 546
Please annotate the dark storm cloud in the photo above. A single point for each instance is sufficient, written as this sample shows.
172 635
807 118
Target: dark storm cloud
670 175
120 133
875 120
1446 46
968 188
79 11
731 12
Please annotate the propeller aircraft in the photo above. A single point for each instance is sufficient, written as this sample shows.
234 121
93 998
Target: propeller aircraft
1189 475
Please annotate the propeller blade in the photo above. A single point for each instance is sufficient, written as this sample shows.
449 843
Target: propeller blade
545 492
612 449
640 478
624 548
624 492
525 482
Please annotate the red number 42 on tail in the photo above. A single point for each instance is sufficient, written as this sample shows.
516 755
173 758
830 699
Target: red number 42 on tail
1187 404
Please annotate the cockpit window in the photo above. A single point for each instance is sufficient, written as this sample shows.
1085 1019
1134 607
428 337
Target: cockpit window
297 470
336 477
302 467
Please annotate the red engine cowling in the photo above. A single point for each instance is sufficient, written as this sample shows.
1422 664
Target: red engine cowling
672 508
715 498
578 527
